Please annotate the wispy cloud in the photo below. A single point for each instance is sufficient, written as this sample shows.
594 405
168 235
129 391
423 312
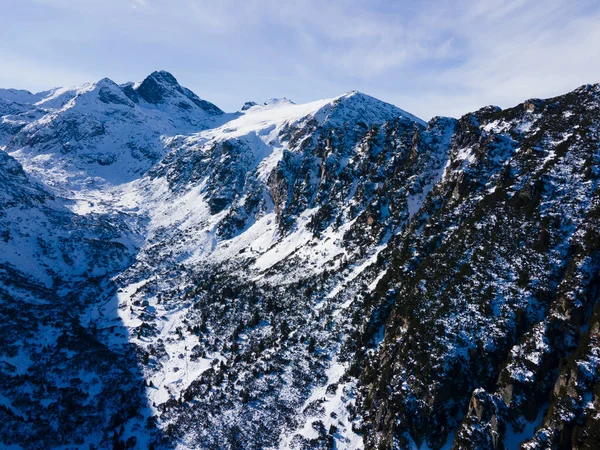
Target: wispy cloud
436 57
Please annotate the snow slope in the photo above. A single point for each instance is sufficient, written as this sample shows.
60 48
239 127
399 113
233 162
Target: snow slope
336 274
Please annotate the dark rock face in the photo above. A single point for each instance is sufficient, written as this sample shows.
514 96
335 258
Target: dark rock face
494 283
160 86
246 106
483 424
341 277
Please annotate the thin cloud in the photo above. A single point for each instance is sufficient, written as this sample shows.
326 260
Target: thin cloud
436 57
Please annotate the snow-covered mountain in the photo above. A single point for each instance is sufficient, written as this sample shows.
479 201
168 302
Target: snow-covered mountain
336 274
101 134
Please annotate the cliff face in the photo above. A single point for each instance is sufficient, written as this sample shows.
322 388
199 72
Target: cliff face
337 274
491 290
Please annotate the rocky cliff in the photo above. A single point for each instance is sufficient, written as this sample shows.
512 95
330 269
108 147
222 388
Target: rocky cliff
337 274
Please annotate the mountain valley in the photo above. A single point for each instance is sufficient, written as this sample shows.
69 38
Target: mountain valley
338 274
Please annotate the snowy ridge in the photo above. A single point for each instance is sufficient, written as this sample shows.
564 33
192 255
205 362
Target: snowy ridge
179 213
336 274
95 136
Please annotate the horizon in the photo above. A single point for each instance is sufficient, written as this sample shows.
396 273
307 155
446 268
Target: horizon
441 58
263 102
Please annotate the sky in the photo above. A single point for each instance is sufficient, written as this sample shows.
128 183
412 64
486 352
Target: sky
432 57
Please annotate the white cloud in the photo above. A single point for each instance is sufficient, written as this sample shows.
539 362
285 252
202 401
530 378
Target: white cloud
434 57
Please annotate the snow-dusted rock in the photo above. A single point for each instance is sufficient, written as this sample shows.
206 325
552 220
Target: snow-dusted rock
336 274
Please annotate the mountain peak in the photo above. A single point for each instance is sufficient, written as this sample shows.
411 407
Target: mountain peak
357 106
279 101
158 86
106 82
17 96
247 105
358 94
162 76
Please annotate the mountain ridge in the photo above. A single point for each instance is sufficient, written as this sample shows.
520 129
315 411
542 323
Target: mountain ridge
337 274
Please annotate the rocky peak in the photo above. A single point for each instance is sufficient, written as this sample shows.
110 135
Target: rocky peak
247 105
160 88
356 107
335 274
106 91
278 101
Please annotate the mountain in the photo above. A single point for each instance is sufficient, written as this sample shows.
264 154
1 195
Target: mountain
101 133
336 274
491 327
58 380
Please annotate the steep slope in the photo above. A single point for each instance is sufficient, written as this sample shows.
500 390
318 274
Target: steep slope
489 290
58 370
337 274
243 203
260 133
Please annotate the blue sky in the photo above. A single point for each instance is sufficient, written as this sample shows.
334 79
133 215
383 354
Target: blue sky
430 58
